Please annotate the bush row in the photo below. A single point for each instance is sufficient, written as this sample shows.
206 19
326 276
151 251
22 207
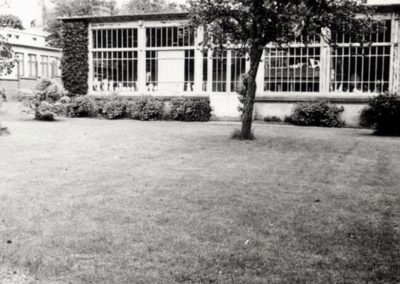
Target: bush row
140 108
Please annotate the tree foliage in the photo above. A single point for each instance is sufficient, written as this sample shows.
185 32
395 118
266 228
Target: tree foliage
69 8
11 21
7 61
74 64
150 6
6 65
252 24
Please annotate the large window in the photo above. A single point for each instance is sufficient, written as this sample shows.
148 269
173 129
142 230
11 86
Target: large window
115 60
115 71
33 65
170 70
219 71
21 64
356 68
238 70
115 38
169 59
294 69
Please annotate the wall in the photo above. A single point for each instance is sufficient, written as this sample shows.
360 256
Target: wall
225 106
351 114
12 86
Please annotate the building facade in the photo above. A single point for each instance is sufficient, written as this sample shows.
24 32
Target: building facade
34 60
158 55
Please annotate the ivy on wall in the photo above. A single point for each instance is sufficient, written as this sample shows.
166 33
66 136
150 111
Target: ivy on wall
74 64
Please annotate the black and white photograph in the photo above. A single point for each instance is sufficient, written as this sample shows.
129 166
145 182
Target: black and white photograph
199 141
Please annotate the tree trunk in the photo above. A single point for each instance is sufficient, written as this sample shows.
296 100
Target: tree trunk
247 118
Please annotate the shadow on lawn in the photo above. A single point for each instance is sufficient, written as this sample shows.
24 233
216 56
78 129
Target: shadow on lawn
361 252
378 250
358 252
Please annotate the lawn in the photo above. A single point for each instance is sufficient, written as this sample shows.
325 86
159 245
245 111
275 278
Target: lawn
97 201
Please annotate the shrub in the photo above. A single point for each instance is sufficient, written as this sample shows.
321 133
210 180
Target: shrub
113 108
145 108
49 90
46 102
272 118
81 106
318 113
366 118
191 109
382 114
43 84
46 111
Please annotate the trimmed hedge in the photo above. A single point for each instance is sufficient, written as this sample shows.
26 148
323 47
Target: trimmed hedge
191 109
142 108
272 118
382 114
319 113
145 108
74 64
111 108
82 106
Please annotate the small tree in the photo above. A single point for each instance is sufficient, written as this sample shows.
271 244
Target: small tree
6 57
6 64
252 24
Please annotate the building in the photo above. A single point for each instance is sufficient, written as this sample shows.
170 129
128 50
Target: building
34 60
156 54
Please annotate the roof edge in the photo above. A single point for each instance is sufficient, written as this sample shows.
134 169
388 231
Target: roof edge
127 17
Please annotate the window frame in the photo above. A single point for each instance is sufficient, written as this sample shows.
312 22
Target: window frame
21 64
44 62
109 47
33 72
380 50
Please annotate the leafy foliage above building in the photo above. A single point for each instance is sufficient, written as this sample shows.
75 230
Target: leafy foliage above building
11 21
150 6
70 8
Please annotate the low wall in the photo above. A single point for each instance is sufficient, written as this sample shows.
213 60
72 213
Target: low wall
12 86
351 114
225 106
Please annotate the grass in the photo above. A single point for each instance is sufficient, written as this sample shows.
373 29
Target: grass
98 201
